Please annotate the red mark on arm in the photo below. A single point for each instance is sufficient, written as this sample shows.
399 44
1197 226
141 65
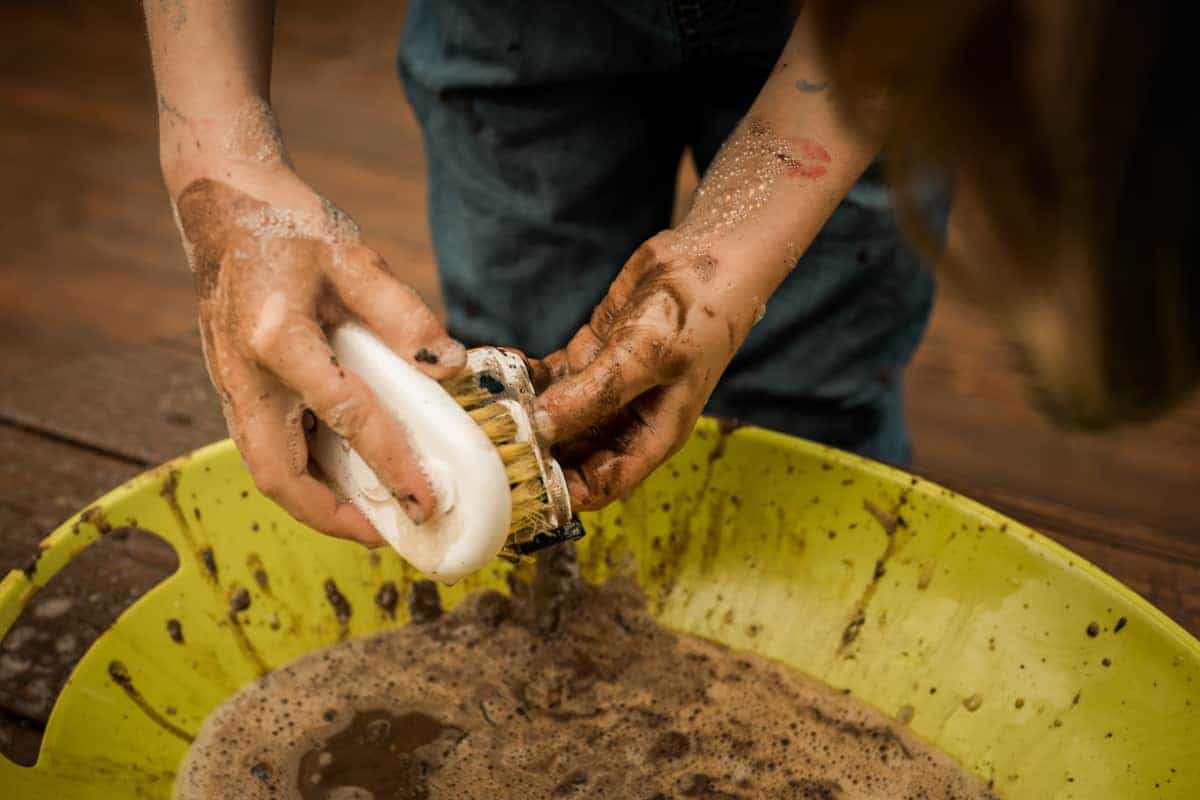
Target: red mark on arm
805 160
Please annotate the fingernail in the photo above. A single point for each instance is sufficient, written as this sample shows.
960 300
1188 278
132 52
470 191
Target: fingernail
578 489
452 354
412 508
543 426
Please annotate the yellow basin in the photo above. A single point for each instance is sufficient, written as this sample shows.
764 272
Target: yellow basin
905 593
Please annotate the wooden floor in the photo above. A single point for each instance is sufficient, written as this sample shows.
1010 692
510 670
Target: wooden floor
100 375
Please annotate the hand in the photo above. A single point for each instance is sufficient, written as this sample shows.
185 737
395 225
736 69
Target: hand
274 265
624 394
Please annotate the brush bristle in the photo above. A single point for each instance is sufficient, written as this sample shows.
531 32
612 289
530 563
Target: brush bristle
498 424
519 462
525 480
472 399
528 506
462 387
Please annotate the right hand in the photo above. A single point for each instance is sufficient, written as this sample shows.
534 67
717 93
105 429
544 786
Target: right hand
274 265
625 393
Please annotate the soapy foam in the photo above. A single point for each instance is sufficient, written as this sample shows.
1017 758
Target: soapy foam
254 134
564 690
741 180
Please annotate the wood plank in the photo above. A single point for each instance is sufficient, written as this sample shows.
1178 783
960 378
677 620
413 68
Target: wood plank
145 404
20 738
91 257
971 422
42 483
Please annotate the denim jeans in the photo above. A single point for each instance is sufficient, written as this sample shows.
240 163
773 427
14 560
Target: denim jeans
552 133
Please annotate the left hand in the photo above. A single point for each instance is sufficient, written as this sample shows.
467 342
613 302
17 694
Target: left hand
624 394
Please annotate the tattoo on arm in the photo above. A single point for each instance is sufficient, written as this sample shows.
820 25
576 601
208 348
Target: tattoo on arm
810 87
177 11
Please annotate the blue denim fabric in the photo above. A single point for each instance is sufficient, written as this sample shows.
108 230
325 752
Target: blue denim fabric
552 134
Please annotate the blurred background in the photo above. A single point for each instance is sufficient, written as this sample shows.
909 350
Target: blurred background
100 367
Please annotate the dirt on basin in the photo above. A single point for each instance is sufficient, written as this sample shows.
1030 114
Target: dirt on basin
561 690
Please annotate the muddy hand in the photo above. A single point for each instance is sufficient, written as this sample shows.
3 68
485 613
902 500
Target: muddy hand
627 390
270 278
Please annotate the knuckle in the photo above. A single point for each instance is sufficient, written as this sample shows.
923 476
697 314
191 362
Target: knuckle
605 478
271 483
651 348
657 337
270 334
649 253
681 431
373 260
347 414
403 294
580 352
419 318
264 341
557 366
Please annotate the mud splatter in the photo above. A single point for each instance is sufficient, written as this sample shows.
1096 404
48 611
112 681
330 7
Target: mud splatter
340 605
119 674
891 522
387 598
424 602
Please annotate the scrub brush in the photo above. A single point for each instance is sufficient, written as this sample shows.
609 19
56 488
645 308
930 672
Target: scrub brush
497 490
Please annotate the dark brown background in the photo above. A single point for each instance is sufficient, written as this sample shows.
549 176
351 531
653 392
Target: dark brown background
100 374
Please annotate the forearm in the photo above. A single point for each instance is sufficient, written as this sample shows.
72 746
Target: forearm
212 68
782 172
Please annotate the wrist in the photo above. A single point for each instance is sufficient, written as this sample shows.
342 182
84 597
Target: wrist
749 264
235 140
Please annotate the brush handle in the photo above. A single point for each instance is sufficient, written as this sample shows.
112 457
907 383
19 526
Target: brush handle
474 505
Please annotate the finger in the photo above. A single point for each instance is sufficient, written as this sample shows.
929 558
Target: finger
585 398
292 346
274 450
583 348
545 371
657 425
395 312
575 357
587 342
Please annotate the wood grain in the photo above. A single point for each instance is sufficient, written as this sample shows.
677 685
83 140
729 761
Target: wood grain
42 483
145 403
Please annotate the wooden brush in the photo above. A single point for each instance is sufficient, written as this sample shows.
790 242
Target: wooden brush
498 491
498 396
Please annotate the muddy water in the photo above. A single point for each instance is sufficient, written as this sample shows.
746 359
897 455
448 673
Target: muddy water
564 690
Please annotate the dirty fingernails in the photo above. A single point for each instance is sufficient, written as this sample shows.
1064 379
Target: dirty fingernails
450 353
413 509
426 356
